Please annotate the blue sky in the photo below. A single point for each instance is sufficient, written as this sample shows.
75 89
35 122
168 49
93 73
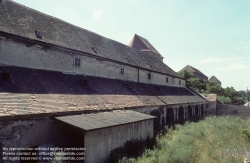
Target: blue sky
210 35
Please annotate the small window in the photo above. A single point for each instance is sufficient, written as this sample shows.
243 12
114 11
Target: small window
122 70
157 88
179 82
149 75
6 76
84 82
38 34
128 59
167 79
77 62
94 49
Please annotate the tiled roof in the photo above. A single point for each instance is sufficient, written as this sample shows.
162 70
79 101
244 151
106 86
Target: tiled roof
174 95
104 119
141 43
193 70
33 92
211 97
214 79
22 21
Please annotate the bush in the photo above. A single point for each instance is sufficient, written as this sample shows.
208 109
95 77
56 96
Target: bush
245 133
131 149
215 139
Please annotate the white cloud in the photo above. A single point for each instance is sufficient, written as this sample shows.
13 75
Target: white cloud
212 60
243 46
234 66
97 14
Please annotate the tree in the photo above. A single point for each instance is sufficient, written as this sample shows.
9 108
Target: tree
185 74
216 89
196 84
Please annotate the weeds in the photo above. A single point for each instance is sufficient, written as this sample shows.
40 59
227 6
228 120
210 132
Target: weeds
215 139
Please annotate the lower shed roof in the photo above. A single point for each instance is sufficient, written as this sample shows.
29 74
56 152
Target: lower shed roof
104 119
36 92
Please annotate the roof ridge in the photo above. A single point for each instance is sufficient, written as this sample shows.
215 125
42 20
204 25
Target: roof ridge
74 25
40 12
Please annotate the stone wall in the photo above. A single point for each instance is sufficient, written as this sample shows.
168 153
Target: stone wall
28 133
233 110
172 114
17 53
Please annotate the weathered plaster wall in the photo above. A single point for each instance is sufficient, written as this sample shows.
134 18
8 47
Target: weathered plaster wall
211 108
32 132
160 79
35 56
99 143
39 57
37 132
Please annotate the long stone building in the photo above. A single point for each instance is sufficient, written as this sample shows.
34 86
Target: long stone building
64 86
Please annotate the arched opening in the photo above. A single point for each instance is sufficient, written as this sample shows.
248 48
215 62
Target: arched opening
190 113
202 111
196 113
181 115
170 117
157 119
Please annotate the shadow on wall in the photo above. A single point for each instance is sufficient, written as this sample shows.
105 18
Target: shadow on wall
30 81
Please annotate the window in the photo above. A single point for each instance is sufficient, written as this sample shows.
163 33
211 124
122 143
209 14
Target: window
179 82
77 62
128 59
6 76
38 34
94 49
84 82
167 79
122 70
149 75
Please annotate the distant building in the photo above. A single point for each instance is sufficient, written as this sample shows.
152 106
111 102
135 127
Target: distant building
213 79
195 73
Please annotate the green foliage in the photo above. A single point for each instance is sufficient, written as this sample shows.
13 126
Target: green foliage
225 95
245 133
245 96
216 89
205 141
196 84
185 74
131 149
224 100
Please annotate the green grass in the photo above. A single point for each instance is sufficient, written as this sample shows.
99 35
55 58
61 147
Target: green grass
213 140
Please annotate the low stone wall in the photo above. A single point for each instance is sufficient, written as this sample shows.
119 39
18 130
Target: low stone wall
233 110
